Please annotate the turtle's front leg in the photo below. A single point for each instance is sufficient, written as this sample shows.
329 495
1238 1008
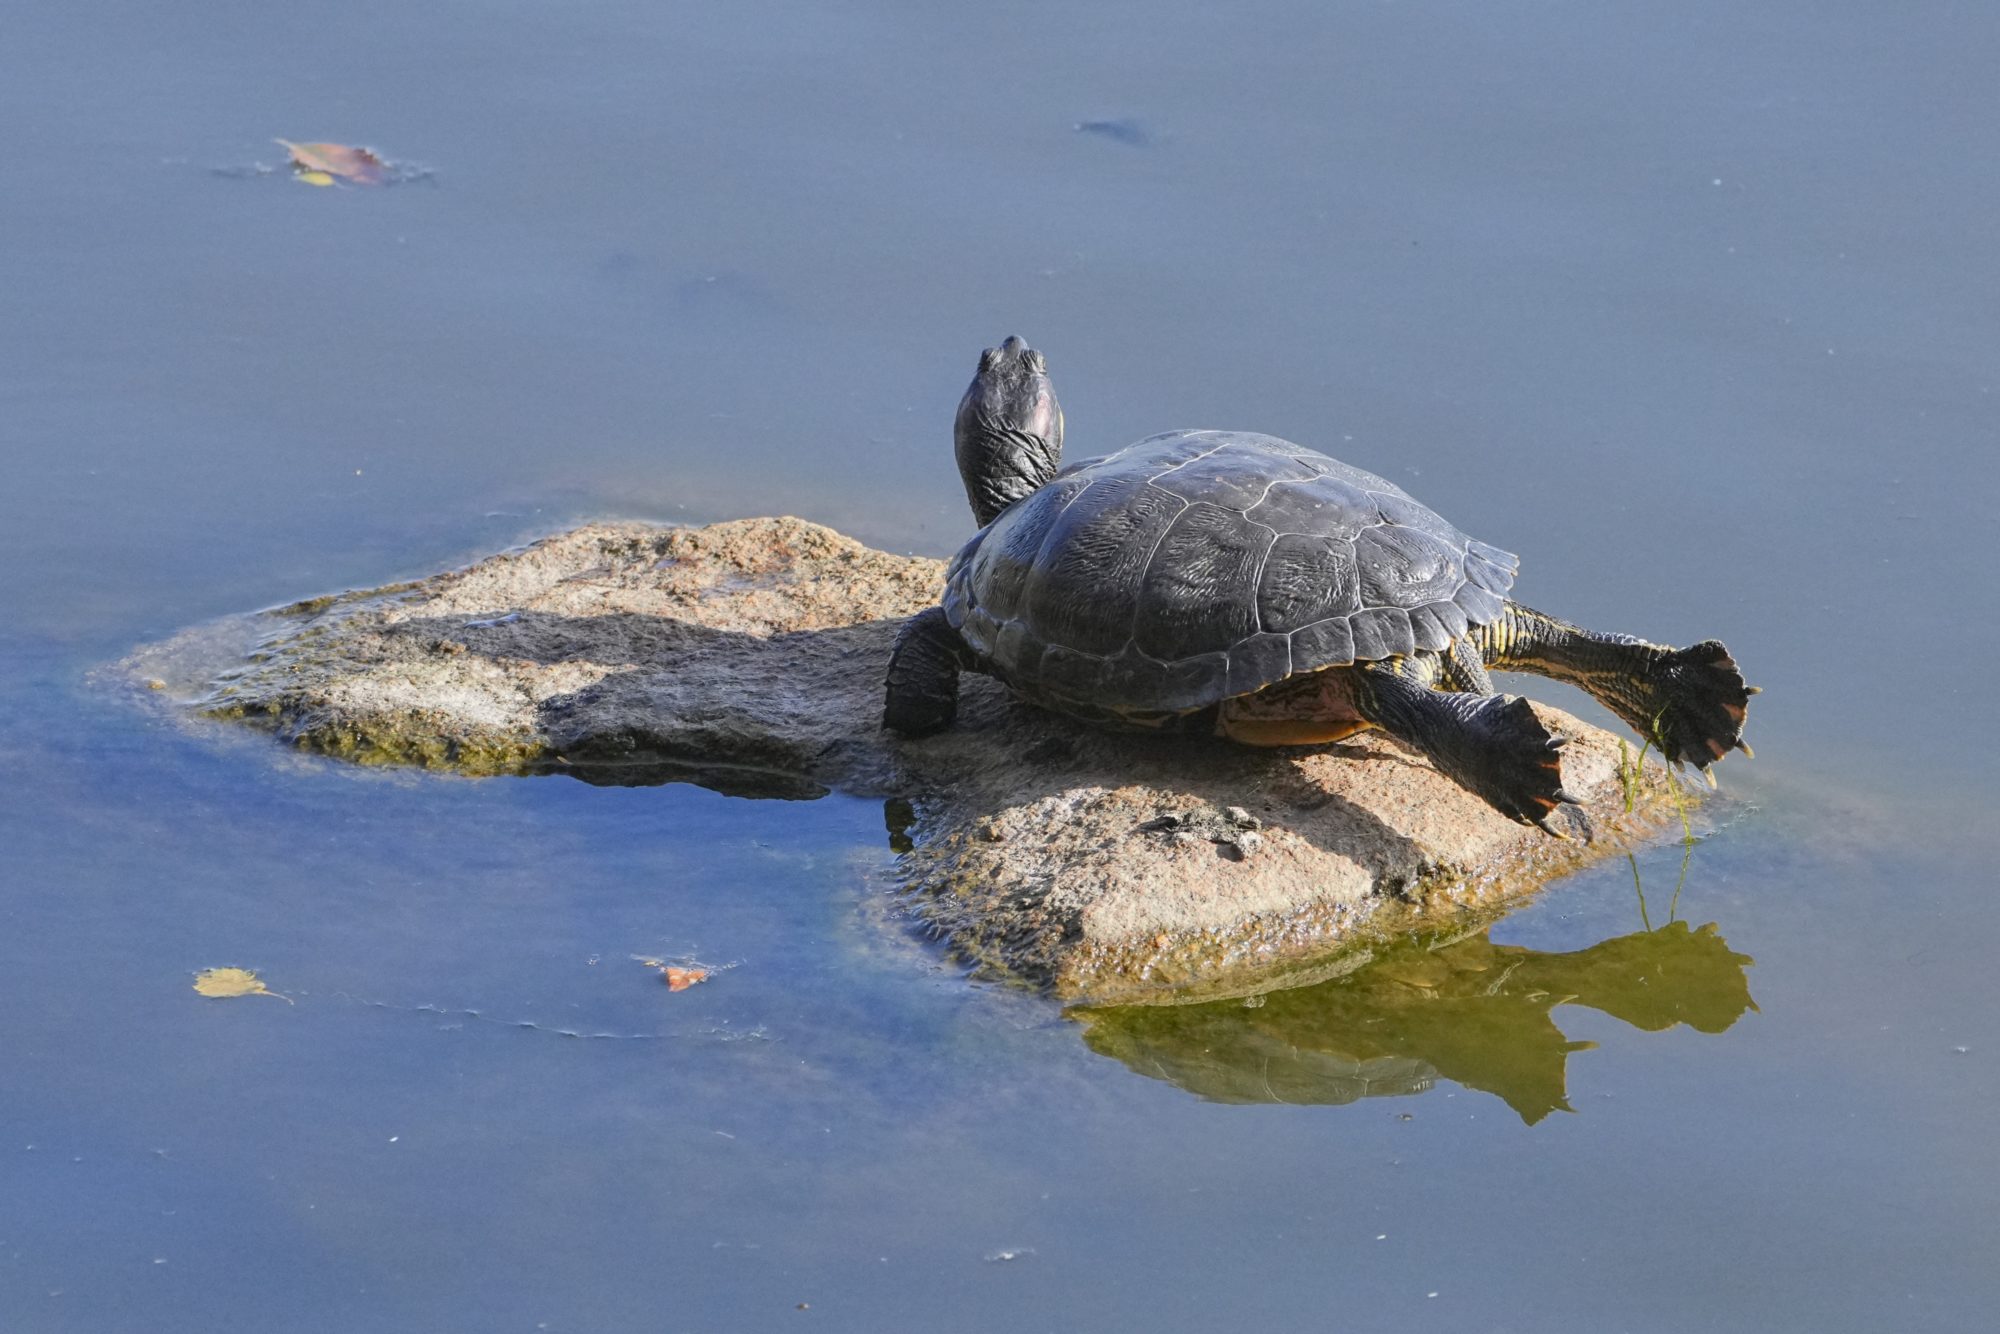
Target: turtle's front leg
1690 701
922 692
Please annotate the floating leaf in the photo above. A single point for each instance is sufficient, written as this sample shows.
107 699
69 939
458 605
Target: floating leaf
315 178
356 166
677 977
227 982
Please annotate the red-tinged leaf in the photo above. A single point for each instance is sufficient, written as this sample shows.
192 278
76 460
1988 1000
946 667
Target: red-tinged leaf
356 166
680 979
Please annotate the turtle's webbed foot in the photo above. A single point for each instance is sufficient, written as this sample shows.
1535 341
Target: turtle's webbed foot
1493 746
1516 764
1698 704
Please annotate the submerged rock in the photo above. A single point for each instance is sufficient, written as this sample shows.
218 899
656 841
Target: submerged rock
748 656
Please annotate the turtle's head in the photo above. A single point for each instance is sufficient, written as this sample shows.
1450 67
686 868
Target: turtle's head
1010 429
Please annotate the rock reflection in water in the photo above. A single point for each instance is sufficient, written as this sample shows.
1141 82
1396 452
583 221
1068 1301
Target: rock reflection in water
1463 1009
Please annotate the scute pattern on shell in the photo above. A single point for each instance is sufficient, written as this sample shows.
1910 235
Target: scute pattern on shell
1199 565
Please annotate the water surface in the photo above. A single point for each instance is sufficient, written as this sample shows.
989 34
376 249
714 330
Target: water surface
1691 307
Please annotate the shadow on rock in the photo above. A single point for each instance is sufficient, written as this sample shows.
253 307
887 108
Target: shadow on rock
743 714
795 715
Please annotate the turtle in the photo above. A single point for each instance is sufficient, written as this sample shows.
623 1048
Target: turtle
1234 583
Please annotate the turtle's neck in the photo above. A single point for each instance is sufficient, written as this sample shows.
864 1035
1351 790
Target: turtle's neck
1009 430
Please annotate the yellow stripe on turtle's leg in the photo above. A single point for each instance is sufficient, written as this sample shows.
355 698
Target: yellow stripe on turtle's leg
1462 668
1690 701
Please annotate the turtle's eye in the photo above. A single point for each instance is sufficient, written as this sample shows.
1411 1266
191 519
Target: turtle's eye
1035 364
989 359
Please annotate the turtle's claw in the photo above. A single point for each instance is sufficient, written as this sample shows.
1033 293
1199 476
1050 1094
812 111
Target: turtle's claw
1520 770
1699 702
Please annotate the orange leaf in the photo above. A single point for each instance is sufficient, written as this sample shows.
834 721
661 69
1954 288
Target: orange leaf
680 979
357 166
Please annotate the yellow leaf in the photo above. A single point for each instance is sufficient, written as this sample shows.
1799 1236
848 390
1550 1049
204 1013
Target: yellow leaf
674 975
680 979
226 982
357 166
315 178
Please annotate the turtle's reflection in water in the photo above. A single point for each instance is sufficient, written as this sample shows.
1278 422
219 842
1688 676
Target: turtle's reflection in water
1463 1009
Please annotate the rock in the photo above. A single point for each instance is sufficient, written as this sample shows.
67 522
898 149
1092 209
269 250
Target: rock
748 656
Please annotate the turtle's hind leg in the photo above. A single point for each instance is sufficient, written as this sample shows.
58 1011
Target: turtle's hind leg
922 695
1690 701
1491 745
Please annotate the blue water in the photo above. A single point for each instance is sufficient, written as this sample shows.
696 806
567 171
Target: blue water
1690 306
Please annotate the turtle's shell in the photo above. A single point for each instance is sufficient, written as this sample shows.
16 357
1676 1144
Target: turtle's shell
1196 566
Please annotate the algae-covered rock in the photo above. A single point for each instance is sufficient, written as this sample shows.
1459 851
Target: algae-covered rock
749 656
